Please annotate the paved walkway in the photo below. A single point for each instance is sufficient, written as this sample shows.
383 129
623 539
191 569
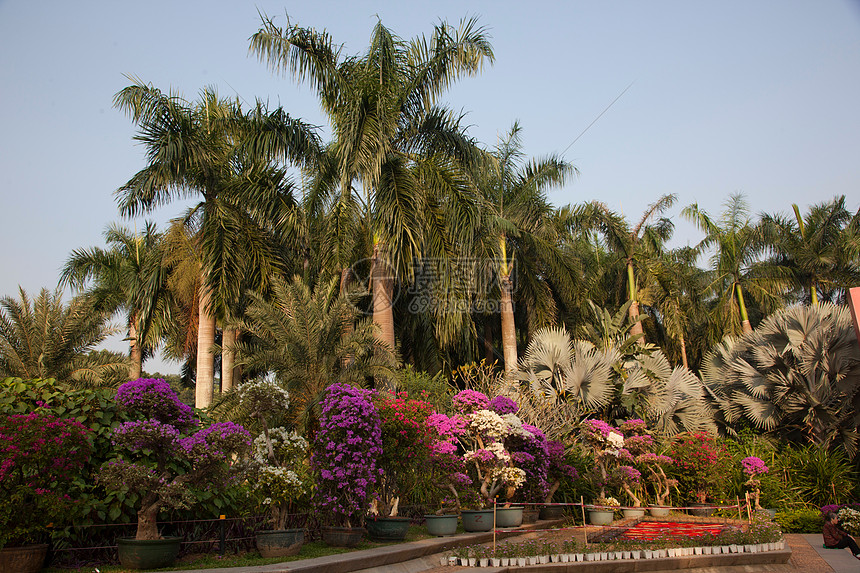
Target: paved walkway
808 556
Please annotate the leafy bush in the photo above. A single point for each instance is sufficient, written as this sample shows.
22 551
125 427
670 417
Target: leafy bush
819 476
804 520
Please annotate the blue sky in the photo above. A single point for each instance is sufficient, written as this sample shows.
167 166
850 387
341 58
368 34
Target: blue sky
758 97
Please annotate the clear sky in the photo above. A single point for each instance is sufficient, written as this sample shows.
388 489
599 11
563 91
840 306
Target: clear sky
760 97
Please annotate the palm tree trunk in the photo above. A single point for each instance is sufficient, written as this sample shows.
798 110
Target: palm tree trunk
633 311
489 351
135 350
745 319
205 358
509 334
684 352
383 288
345 277
228 357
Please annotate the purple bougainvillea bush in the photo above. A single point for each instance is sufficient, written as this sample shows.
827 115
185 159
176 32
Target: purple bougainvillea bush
165 453
344 455
40 455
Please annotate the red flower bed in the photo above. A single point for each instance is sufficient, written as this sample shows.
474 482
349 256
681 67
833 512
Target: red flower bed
648 530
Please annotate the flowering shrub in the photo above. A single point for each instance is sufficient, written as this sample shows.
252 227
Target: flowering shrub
162 461
656 465
701 463
345 450
468 401
406 448
278 474
503 405
40 454
849 519
630 480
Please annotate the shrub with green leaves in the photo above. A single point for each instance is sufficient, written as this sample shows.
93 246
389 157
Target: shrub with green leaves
804 520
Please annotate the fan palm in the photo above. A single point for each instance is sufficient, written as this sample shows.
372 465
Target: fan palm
797 376
212 150
300 337
392 139
737 245
45 338
128 276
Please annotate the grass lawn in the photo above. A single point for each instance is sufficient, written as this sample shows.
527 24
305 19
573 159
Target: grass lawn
250 559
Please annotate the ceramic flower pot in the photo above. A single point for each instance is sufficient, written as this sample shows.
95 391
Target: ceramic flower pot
701 510
477 520
441 525
280 542
147 553
659 510
342 536
531 514
600 516
26 559
633 513
509 516
387 528
552 512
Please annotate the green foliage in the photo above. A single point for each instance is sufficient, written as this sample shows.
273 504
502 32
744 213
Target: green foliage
433 389
802 520
819 476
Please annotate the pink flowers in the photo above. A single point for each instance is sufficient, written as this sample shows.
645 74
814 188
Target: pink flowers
754 466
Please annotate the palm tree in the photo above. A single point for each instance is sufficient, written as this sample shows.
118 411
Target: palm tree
127 276
300 337
737 246
392 139
815 247
637 247
796 375
211 150
44 338
517 231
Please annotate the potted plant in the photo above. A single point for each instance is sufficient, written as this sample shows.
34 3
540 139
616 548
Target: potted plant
278 474
629 479
558 471
344 454
655 465
701 464
406 443
163 456
606 445
40 455
754 467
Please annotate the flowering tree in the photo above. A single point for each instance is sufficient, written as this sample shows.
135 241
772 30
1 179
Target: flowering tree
447 467
163 456
701 462
754 467
406 448
606 444
40 454
481 434
345 450
278 454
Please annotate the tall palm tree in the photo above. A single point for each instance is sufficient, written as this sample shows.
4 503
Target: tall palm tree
816 246
737 246
390 138
212 150
517 231
127 276
638 247
45 338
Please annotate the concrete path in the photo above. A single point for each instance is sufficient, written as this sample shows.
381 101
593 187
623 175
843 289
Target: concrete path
839 560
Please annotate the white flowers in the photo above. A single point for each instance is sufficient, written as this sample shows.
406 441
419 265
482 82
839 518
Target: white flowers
264 394
489 424
287 446
615 441
513 477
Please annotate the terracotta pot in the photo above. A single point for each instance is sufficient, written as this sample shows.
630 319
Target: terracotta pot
26 559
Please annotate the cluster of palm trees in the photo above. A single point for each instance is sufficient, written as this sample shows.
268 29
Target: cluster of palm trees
399 195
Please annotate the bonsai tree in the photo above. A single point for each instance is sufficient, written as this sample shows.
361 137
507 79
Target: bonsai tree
701 463
754 467
164 454
344 454
278 473
406 443
606 445
40 455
